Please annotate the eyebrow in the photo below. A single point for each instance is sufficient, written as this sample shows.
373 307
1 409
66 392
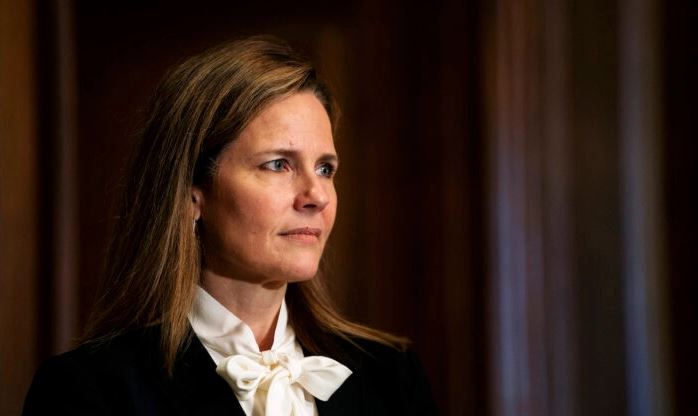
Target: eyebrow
326 157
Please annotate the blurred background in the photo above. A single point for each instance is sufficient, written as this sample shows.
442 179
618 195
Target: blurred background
517 192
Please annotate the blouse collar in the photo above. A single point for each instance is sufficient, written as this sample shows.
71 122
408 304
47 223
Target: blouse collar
225 334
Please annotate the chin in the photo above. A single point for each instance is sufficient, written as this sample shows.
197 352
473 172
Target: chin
301 276
302 272
299 267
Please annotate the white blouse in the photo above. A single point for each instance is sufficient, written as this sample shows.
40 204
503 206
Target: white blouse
279 381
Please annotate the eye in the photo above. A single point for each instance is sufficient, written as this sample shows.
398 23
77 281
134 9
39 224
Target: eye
276 165
326 169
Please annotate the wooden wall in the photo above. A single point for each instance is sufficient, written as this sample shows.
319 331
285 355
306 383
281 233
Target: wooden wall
19 215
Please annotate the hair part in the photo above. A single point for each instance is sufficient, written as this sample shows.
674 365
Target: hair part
154 259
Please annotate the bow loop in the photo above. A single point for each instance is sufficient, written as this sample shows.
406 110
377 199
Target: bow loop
321 376
242 374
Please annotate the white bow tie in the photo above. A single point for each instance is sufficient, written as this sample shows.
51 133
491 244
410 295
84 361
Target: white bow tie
275 380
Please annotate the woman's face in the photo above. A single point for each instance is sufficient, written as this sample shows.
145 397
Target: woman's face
272 203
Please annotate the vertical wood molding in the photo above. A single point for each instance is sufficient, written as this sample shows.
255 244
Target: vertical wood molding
645 277
18 199
559 282
517 259
459 300
679 90
533 362
65 248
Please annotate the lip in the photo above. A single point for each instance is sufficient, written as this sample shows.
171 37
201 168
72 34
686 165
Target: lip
302 234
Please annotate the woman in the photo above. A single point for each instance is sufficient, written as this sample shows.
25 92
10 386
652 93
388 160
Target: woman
211 302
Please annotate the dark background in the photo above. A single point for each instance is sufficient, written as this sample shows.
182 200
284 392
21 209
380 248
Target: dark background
516 195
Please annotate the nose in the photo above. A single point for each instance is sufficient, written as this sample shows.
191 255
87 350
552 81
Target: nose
312 194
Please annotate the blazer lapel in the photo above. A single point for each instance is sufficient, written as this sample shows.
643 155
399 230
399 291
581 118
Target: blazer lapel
199 390
346 400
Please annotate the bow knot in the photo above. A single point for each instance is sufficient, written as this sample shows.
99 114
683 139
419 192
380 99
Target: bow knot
294 369
275 375
269 357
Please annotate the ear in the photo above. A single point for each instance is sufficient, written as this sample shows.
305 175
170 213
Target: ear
197 202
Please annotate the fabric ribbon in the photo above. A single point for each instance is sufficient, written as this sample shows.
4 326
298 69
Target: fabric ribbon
273 379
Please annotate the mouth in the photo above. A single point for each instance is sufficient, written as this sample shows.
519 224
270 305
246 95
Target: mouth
305 234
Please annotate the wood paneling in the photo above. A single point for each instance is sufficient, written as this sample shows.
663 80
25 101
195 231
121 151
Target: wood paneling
18 204
644 237
680 89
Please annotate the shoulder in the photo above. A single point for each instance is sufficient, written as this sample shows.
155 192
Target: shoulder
374 355
368 355
115 357
58 381
391 379
88 379
387 362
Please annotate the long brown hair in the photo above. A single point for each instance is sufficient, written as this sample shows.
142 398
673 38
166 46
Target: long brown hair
154 259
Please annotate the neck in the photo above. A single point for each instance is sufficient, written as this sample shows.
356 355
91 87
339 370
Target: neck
256 304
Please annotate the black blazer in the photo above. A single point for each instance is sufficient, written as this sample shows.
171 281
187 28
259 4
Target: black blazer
126 377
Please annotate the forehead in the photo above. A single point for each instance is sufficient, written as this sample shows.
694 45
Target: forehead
298 122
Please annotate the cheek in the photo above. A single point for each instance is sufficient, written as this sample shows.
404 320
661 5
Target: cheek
254 210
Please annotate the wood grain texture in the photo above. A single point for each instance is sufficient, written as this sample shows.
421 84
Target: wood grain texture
18 216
